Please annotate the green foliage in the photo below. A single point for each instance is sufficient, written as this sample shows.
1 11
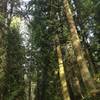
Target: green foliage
38 59
14 69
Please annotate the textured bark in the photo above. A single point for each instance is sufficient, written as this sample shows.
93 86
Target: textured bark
73 71
86 46
62 76
88 81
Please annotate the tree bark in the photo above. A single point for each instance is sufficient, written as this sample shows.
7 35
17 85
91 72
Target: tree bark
86 46
88 81
62 76
73 71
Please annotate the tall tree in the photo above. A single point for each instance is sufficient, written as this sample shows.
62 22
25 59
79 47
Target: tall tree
62 76
78 50
14 71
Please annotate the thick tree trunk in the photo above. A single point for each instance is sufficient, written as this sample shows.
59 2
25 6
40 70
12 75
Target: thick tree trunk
86 47
77 48
73 71
62 76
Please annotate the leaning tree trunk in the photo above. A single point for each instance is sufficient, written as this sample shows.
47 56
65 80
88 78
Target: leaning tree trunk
62 76
73 71
77 48
86 46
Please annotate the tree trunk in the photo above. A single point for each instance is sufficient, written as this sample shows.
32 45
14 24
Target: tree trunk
73 71
62 76
77 48
43 84
30 89
86 46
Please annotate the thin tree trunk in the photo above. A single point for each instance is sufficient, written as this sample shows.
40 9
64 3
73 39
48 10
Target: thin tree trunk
30 89
88 81
37 97
43 84
62 76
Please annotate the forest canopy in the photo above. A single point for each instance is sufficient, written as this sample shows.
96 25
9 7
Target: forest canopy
49 50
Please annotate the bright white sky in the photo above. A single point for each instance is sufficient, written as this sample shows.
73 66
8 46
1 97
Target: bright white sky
26 0
24 28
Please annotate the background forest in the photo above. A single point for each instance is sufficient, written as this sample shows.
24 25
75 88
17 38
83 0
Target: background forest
49 50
